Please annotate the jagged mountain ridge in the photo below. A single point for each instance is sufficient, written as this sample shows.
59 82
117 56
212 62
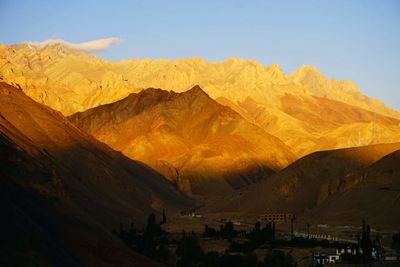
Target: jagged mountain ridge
75 75
202 146
67 191
71 81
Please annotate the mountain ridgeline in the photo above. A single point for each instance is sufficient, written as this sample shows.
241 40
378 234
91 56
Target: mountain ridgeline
203 147
305 109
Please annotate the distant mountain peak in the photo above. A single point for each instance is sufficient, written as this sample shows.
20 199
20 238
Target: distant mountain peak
276 72
197 89
306 71
274 67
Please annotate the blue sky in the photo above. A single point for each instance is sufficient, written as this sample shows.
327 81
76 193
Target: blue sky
345 39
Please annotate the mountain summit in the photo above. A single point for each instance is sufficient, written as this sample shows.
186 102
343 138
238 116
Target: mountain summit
202 146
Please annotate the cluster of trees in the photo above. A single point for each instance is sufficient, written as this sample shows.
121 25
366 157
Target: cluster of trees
261 235
364 248
191 254
396 242
226 231
154 242
257 237
365 243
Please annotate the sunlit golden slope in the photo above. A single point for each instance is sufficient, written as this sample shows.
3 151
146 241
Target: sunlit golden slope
202 146
309 123
285 106
341 186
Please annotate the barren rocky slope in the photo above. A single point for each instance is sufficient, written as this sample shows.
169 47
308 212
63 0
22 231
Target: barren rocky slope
343 185
375 197
202 146
309 123
62 191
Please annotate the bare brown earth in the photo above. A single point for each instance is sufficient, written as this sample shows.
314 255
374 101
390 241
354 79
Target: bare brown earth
62 191
375 197
338 186
202 146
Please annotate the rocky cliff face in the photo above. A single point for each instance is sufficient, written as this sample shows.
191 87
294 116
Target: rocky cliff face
202 146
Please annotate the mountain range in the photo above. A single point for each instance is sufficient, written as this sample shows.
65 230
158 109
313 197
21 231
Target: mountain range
289 107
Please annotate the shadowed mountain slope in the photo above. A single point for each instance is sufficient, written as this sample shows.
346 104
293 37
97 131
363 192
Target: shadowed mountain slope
375 196
202 146
62 191
335 176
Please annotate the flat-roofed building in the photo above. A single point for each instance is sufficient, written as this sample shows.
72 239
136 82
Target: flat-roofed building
277 217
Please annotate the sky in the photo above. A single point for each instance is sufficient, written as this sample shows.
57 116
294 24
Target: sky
344 39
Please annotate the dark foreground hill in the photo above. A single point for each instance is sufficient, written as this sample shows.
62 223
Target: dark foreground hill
62 191
335 186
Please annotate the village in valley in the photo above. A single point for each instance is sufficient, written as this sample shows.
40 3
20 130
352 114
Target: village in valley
272 239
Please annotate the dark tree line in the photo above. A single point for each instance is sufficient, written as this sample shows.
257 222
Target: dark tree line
153 242
191 254
364 248
396 242
226 231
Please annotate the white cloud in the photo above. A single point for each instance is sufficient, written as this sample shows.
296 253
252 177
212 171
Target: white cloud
94 45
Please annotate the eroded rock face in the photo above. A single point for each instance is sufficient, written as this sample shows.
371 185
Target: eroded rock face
72 81
202 146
